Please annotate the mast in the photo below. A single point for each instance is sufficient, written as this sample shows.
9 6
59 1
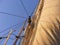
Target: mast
8 37
18 36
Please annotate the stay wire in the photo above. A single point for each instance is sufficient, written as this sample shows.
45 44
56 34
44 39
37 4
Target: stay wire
12 15
24 7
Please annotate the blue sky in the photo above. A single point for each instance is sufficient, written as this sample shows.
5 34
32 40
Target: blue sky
14 7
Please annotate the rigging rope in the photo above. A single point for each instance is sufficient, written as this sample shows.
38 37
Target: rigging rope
12 14
24 7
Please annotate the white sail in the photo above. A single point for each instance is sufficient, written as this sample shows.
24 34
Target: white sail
48 29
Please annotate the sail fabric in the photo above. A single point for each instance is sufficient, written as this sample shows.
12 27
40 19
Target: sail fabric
48 29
